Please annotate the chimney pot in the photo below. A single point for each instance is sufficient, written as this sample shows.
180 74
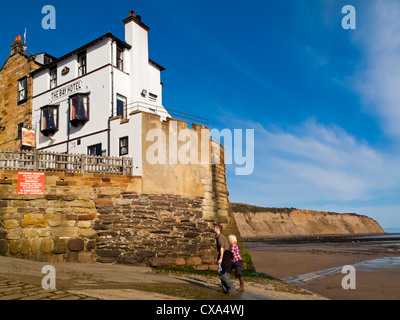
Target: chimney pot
131 13
18 46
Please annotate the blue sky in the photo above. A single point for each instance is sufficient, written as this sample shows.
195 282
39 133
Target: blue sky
323 101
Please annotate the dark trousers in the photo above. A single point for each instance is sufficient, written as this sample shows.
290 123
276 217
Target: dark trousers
226 266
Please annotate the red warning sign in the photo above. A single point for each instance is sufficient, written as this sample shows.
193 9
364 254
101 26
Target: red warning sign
31 183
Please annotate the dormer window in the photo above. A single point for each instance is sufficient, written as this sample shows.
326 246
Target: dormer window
79 108
82 64
49 120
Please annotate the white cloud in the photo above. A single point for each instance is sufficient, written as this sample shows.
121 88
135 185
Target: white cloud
378 35
313 163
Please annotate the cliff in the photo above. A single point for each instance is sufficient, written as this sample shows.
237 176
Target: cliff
258 222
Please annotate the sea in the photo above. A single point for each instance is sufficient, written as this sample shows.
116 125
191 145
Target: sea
392 230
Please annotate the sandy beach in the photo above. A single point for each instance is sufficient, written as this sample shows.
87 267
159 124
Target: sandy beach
317 267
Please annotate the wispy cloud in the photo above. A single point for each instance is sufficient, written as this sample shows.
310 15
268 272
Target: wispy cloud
313 163
378 35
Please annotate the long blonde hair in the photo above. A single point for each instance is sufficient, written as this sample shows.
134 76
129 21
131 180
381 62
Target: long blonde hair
232 239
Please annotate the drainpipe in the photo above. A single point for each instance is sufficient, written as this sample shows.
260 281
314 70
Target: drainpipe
112 100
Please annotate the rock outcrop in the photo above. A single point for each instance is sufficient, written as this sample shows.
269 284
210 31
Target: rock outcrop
258 222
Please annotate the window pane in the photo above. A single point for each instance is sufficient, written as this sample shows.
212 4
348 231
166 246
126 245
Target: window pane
22 89
121 106
123 146
95 150
53 78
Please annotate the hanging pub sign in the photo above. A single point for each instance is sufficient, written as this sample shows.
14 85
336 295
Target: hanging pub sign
31 183
65 71
28 137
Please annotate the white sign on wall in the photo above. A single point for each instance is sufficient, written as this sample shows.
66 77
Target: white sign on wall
66 90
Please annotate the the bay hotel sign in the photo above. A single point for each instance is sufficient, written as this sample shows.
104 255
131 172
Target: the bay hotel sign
67 90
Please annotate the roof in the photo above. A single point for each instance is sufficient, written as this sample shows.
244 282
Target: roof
107 35
161 68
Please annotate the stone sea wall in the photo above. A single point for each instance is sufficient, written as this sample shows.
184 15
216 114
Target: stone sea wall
103 218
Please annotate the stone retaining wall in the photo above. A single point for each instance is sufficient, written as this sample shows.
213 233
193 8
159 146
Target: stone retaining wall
104 218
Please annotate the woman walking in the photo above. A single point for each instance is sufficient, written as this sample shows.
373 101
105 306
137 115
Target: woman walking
237 260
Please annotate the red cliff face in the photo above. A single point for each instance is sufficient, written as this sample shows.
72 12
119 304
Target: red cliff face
254 222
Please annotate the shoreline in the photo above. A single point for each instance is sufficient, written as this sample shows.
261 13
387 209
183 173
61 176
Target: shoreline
321 238
317 260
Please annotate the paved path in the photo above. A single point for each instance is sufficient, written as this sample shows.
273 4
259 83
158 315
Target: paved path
22 280
12 290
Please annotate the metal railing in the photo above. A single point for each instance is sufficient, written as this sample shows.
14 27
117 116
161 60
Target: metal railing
52 161
167 113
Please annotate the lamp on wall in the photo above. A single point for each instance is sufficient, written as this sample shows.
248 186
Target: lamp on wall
144 92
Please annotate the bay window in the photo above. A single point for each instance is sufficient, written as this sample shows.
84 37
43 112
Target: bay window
79 108
49 119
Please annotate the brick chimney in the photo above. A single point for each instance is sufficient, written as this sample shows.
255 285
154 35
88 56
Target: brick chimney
18 46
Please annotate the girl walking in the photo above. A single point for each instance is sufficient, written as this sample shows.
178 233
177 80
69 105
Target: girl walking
237 260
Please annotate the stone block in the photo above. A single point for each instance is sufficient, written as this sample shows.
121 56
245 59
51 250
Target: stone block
81 203
160 262
85 257
30 233
76 245
209 259
3 247
47 246
35 246
68 232
84 224
14 247
103 202
91 245
14 234
26 247
60 246
88 233
193 261
11 224
179 262
44 232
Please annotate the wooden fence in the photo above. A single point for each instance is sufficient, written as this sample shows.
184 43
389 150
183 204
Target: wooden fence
51 161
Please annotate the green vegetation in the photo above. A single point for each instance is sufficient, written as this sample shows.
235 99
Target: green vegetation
243 208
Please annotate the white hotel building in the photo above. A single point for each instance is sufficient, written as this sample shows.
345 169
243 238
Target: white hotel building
88 100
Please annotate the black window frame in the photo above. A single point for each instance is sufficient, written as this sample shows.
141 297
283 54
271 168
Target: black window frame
126 146
23 82
77 118
45 128
82 64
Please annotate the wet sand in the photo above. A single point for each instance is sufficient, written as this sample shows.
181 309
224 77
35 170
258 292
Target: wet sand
378 280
